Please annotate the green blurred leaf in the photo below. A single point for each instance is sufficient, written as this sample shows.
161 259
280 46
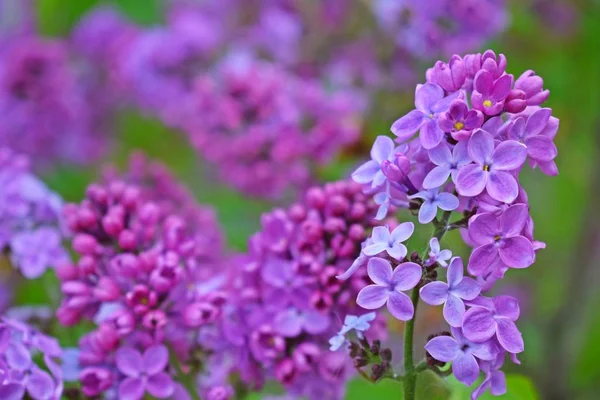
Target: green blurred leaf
519 387
360 389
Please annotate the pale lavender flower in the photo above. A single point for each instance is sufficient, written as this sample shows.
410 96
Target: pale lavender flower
370 173
382 240
491 168
540 148
432 200
451 294
436 255
447 164
495 380
388 287
144 373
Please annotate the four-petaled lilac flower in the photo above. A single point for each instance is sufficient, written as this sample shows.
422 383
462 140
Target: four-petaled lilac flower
497 316
461 352
459 121
391 243
144 373
540 148
453 293
432 201
436 255
389 286
500 237
495 380
29 377
448 164
359 324
491 168
489 94
370 172
430 103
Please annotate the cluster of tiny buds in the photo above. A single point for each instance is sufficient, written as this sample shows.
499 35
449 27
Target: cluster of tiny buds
364 354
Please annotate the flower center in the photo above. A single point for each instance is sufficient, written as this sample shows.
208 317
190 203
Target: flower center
487 103
459 125
497 238
486 167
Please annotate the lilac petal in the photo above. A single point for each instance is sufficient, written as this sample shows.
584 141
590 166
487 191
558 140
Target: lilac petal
467 289
431 134
160 386
375 248
465 369
485 351
507 307
444 104
538 121
473 119
460 153
502 87
455 272
378 179
481 258
131 389
440 154
381 234
359 262
502 186
40 384
397 251
427 212
434 245
400 306
517 252
129 361
436 177
447 201
454 310
509 155
408 125
372 297
513 220
17 356
478 324
402 232
380 271
483 228
12 391
366 172
434 293
481 146
382 149
471 180
509 336
541 148
516 131
426 97
443 348
156 359
406 276
288 323
315 322
548 167
483 82
498 383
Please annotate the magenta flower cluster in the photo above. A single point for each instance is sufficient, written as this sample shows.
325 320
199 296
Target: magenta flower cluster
30 228
477 127
286 301
148 276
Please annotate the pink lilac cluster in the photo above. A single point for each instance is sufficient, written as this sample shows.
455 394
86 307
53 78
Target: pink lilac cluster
30 229
285 299
46 108
477 128
148 275
29 363
265 129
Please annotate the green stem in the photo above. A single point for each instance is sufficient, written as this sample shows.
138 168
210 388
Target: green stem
187 380
410 370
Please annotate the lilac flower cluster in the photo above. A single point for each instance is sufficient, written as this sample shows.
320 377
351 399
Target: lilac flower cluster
47 109
21 375
286 301
477 128
30 232
148 275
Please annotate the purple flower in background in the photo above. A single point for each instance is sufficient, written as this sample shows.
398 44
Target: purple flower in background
490 93
459 121
382 240
540 148
430 103
497 317
451 294
389 286
491 168
370 172
33 252
144 373
463 354
432 201
447 164
436 255
293 321
500 237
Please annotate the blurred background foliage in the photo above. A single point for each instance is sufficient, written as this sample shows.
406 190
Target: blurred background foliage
561 324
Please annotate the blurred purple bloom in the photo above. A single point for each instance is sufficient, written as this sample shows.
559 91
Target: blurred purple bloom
382 240
292 322
144 373
491 168
453 293
432 201
388 287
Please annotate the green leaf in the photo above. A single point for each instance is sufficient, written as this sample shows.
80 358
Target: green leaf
430 386
519 387
360 389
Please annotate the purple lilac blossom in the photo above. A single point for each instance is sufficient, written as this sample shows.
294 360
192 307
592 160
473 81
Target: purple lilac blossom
382 240
432 200
436 255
